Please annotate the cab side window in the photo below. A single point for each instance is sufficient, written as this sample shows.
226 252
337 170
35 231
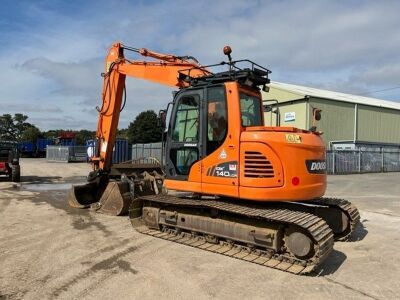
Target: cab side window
217 119
250 108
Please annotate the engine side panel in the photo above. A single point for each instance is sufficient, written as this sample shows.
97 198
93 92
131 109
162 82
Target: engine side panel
291 161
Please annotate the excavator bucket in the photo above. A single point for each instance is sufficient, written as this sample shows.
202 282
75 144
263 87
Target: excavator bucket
114 200
82 196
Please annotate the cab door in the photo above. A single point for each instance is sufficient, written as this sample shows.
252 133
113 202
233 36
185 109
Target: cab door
183 145
220 166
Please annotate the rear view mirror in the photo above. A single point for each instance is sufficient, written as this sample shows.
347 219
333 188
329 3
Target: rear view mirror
267 108
162 117
317 114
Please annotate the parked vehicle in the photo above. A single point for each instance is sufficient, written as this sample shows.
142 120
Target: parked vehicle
9 160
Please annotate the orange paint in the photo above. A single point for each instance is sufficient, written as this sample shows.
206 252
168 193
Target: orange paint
268 163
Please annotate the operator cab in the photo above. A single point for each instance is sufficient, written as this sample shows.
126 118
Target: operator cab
206 113
217 144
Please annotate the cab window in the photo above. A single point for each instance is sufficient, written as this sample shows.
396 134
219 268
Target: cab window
217 119
186 125
183 159
250 108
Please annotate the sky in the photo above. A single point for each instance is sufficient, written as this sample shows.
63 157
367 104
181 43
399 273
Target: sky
52 52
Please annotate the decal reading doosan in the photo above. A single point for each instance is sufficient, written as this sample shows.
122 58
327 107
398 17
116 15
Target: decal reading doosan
226 169
316 166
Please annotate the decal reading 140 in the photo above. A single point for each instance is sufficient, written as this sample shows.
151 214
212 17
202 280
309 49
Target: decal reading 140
226 169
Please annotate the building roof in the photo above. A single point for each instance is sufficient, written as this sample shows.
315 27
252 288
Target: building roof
303 91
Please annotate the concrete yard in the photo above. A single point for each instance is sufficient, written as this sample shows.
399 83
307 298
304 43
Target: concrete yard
48 250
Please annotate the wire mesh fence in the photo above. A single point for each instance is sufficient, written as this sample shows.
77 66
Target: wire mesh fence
359 161
140 151
66 153
338 161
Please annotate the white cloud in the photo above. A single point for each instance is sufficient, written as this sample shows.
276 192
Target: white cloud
349 46
32 108
385 75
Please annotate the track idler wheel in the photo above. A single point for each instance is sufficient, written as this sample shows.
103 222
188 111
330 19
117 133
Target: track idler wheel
299 243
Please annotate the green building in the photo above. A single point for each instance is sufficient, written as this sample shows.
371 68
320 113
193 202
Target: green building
348 121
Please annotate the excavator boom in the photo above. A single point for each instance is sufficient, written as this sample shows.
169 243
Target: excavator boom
114 197
167 71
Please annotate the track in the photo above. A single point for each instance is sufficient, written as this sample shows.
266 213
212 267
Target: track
346 207
314 226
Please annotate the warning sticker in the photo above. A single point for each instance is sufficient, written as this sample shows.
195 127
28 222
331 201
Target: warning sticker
223 154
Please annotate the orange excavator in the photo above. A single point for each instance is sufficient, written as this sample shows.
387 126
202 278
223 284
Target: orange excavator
235 186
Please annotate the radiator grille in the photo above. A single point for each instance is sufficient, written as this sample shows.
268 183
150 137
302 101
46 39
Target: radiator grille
257 165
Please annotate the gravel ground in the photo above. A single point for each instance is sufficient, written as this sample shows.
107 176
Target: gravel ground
48 250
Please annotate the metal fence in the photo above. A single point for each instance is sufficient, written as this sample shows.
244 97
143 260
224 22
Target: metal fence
338 161
147 150
359 161
66 153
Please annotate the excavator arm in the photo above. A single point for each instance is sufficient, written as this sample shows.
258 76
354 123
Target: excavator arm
168 70
114 197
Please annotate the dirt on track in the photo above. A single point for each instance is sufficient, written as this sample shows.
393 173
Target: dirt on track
49 250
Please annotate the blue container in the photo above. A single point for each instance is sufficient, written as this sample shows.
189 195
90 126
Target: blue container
26 147
90 143
120 151
67 142
41 144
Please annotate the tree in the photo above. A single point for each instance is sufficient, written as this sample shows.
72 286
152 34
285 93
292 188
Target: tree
83 135
12 127
145 128
52 134
31 134
7 128
122 133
